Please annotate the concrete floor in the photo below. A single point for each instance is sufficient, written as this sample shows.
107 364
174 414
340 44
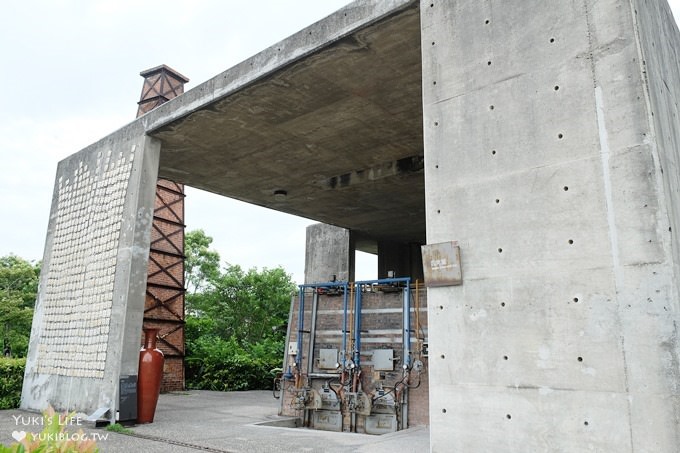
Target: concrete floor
227 422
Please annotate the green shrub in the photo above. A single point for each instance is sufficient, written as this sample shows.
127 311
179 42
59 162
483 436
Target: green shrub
217 364
11 380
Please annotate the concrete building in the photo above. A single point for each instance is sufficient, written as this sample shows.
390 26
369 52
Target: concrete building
541 136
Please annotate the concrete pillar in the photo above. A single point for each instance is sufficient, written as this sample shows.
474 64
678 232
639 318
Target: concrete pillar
551 149
88 315
329 251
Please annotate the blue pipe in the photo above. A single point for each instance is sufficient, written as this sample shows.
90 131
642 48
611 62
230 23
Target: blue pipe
301 321
323 285
344 326
301 313
357 316
357 327
407 324
406 308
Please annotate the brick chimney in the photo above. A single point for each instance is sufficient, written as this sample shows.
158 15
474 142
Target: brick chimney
164 305
161 84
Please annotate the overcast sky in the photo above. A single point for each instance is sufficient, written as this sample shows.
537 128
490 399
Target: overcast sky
69 74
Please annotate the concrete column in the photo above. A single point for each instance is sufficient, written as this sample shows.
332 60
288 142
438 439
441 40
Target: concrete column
329 251
547 130
88 315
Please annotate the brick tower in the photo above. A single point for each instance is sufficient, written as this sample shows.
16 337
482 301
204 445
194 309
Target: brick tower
164 306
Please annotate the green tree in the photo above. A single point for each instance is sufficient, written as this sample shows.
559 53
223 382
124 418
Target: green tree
250 306
236 320
202 265
18 290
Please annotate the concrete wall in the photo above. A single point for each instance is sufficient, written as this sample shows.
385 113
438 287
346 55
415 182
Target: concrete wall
88 317
544 161
659 44
328 251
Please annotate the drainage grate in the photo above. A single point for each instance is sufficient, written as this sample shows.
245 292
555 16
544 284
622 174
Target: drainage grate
181 444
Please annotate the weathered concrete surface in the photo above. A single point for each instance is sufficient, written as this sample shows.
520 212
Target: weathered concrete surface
657 420
88 315
332 115
544 161
659 46
329 251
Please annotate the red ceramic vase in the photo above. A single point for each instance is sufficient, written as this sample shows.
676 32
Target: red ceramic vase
149 379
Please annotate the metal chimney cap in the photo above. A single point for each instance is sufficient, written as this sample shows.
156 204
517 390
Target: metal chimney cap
166 68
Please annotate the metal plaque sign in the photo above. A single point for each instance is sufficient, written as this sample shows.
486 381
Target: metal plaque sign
441 264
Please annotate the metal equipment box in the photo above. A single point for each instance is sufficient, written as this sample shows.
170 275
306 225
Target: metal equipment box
327 420
328 359
383 359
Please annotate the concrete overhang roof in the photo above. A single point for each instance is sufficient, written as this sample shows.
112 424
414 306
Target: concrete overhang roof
326 125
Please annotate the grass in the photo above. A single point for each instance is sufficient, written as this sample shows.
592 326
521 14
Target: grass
118 428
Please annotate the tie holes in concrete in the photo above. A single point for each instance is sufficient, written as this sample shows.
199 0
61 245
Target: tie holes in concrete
585 423
552 40
436 123
505 357
491 107
580 359
493 152
488 63
557 88
497 201
560 136
436 166
571 241
575 299
500 250
565 188
443 411
441 307
439 211
508 416
443 356
502 304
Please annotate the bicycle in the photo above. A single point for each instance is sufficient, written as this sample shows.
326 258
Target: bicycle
278 382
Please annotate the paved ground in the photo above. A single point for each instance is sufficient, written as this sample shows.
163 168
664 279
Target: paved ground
226 422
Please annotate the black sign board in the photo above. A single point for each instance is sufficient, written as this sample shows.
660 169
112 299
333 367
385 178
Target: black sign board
127 410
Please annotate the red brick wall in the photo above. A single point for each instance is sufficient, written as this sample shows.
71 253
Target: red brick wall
164 306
